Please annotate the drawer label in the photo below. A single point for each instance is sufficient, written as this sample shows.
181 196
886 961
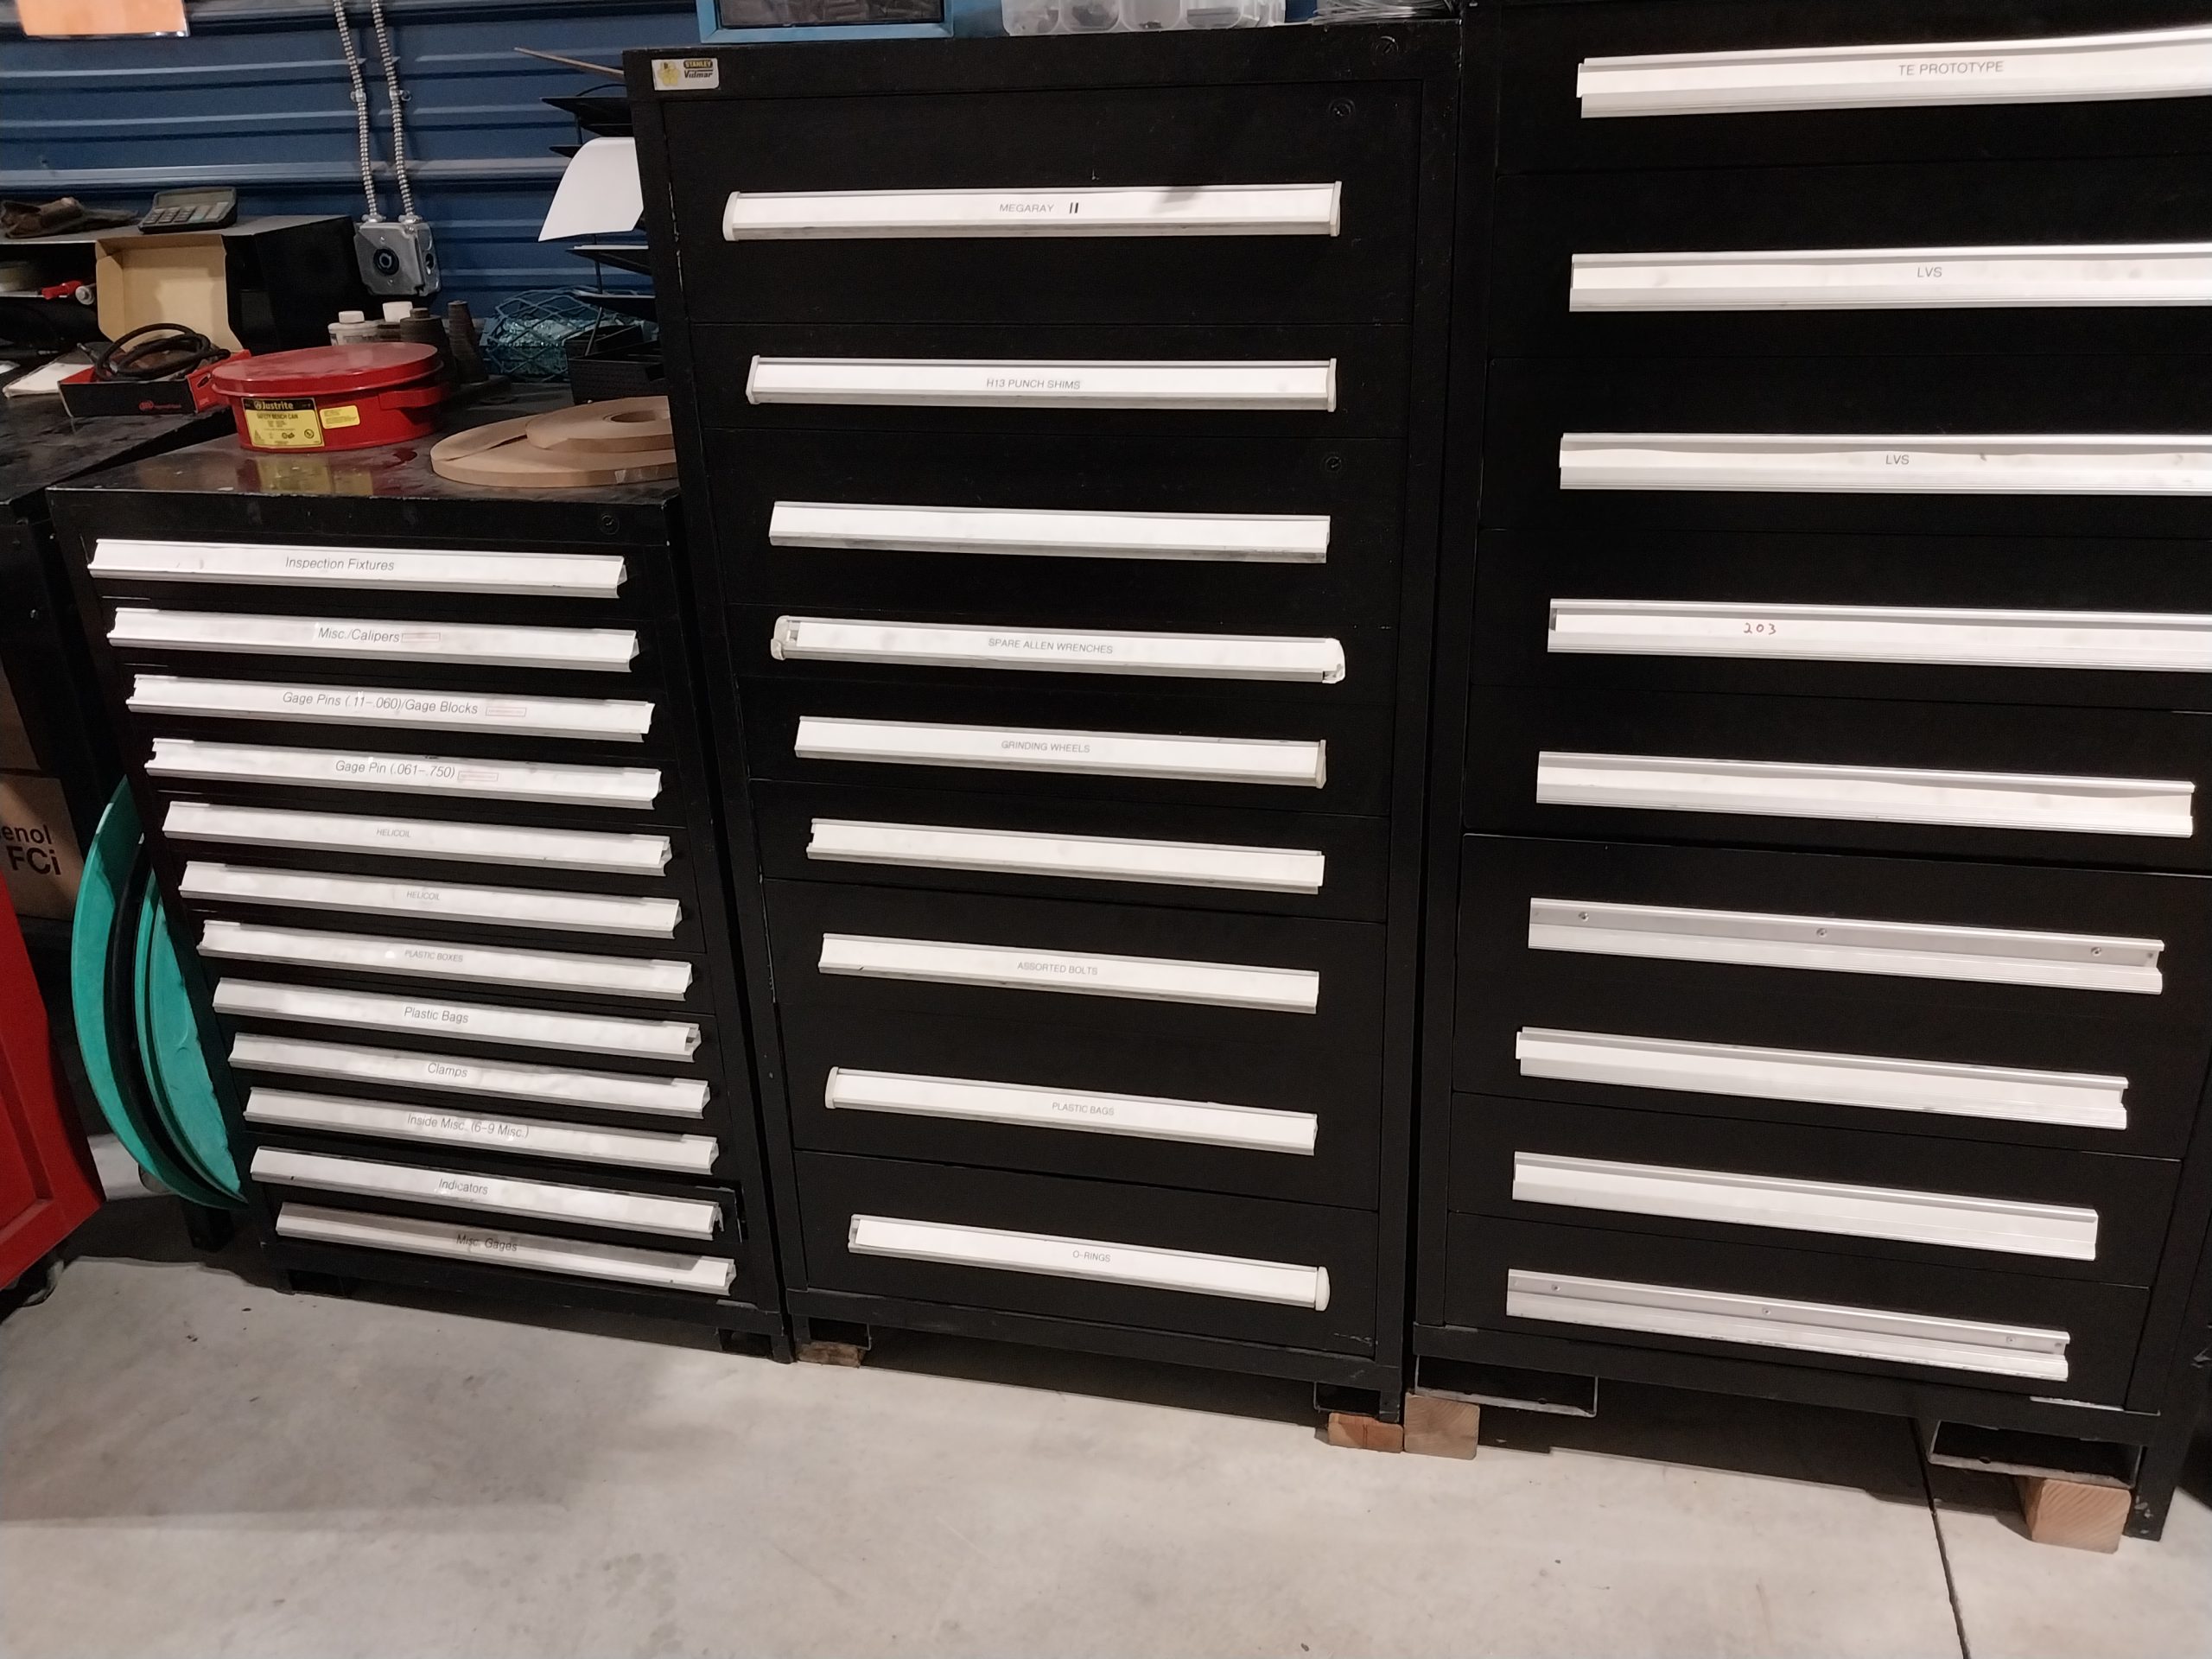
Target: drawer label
686 74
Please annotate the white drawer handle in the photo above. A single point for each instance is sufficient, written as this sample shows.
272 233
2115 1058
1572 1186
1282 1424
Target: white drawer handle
602 650
1021 968
2062 69
2150 642
1093 858
1787 789
710 1275
1950 1220
423 838
1987 955
981 383
2009 463
1289 763
525 1136
422 570
635 787
662 1039
252 1050
641 917
1233 1276
444 959
1083 210
1255 1128
1774 1322
1873 279
1226 537
604 719
1059 650
1939 1088
542 1200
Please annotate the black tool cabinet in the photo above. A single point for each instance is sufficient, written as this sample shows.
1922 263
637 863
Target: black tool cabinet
425 785
1062 421
1817 1001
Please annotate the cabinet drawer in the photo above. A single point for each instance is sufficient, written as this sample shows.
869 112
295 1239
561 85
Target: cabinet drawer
2104 446
376 1125
1073 745
2028 621
1254 979
301 889
535 1251
1836 81
1070 381
1300 1276
2056 1008
1130 204
2016 1331
1199 858
481 1082
480 1021
1141 532
436 959
2070 786
1058 645
298 769
460 583
1958 258
1170 1111
2019 1209
615 1208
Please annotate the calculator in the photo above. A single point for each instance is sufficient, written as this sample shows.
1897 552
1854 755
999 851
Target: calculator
189 210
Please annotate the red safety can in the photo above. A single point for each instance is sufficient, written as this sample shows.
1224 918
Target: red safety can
334 396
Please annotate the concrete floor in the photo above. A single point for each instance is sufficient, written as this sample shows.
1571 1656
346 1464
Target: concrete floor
192 1464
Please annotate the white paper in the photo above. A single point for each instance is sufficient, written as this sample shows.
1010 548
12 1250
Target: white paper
598 192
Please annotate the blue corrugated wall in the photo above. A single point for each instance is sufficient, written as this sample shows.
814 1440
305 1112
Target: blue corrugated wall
258 98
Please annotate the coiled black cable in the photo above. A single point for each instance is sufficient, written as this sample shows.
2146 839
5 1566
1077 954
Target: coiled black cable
159 351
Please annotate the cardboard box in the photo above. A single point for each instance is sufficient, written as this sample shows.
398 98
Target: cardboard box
38 851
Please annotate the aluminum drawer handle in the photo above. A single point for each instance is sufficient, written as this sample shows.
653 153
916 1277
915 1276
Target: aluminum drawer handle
983 383
635 787
1786 788
1139 1265
710 1275
1949 1220
662 1039
1939 1088
1091 858
2159 642
1224 537
604 650
1987 955
1774 1322
573 912
252 1050
443 959
1855 279
1085 209
542 1200
2009 463
1024 968
2062 69
422 570
605 719
528 1137
422 838
1060 651
1290 763
1254 1128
